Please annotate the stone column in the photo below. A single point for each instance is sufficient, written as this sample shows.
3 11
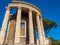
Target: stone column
7 33
42 30
37 41
18 22
4 26
39 30
31 31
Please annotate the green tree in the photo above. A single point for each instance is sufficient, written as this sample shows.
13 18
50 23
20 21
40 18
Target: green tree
48 24
54 42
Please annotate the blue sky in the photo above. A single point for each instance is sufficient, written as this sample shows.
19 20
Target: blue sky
50 9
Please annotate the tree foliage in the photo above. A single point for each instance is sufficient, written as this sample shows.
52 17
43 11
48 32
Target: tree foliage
48 24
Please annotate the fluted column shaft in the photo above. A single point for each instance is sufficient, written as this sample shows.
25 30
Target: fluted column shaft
7 32
39 30
4 26
42 30
37 41
31 32
18 22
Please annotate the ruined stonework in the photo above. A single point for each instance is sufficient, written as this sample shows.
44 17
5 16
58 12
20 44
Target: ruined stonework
11 32
20 28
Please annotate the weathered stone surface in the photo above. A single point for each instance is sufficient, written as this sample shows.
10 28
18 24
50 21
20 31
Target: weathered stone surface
11 33
22 31
16 34
22 40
